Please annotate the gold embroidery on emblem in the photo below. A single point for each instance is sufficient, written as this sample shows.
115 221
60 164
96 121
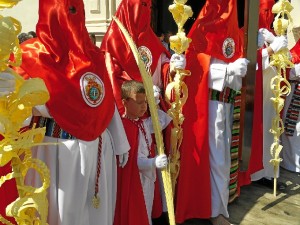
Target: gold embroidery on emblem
146 57
228 47
93 90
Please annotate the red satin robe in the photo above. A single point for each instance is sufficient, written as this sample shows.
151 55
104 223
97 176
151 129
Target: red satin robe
216 22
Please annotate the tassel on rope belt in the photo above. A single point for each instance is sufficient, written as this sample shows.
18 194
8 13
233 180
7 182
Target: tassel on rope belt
226 96
52 128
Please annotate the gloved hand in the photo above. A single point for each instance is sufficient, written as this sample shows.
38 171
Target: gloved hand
260 38
123 159
7 83
156 91
279 43
238 67
177 62
268 36
161 161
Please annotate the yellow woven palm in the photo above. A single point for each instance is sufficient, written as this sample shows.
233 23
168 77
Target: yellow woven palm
8 3
279 84
31 206
177 91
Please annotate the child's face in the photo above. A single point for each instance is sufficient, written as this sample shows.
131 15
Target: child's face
136 105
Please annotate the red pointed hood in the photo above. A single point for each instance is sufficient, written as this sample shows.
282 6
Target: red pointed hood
73 69
215 31
266 16
135 15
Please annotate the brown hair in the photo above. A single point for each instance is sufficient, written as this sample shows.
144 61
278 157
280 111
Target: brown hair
131 86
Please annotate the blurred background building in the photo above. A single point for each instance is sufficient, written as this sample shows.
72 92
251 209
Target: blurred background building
99 14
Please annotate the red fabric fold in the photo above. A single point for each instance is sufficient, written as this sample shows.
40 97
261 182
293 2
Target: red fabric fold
8 192
256 156
193 192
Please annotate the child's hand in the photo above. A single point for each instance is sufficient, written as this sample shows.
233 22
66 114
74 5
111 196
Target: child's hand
156 91
161 161
123 159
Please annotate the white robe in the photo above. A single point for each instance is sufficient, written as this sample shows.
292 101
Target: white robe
72 165
220 126
147 165
268 114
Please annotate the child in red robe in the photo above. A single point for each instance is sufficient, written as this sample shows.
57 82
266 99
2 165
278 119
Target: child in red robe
136 181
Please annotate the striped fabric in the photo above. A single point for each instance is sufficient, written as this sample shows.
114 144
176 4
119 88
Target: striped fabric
293 112
52 128
233 97
234 149
226 96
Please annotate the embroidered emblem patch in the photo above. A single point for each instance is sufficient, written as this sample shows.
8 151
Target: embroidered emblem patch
228 47
146 56
92 89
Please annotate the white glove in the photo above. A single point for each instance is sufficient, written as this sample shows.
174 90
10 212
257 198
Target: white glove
123 159
279 43
238 67
260 39
7 83
268 36
177 62
161 161
156 91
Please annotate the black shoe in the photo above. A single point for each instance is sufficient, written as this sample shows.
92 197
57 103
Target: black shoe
270 183
162 220
281 186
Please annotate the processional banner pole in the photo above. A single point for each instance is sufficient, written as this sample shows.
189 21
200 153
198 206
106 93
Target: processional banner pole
247 91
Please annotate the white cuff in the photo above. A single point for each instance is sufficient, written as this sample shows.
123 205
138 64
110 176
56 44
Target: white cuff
265 59
145 164
234 82
217 74
295 72
41 110
297 69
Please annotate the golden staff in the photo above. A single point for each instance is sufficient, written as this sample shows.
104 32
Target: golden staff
177 91
147 80
31 207
279 84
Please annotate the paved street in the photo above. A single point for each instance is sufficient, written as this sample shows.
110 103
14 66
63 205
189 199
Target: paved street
258 206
